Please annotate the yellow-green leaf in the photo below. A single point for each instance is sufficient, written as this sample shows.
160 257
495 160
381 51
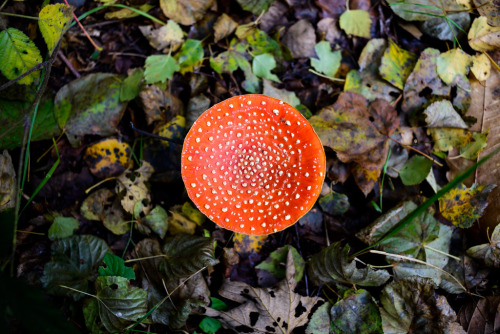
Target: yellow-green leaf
483 37
109 157
356 22
481 67
54 20
18 54
469 143
451 64
329 61
463 206
397 64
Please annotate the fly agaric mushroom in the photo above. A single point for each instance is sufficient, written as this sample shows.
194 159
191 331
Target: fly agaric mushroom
253 164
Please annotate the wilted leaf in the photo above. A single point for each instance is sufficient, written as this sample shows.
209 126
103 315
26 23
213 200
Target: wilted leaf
397 64
18 54
189 56
329 61
415 170
412 306
115 266
481 315
62 227
159 68
74 262
300 39
452 63
7 182
168 37
356 313
463 206
489 253
119 303
90 105
277 310
223 27
186 12
481 67
94 206
442 114
262 66
54 20
248 243
275 263
131 185
483 37
334 203
320 322
255 6
332 265
156 221
356 22
108 158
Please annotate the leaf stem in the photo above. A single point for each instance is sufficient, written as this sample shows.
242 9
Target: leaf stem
456 258
418 151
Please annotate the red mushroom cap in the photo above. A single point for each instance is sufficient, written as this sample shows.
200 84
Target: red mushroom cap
253 164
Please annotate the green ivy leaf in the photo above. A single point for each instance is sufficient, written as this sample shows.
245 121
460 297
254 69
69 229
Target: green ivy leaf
63 227
115 266
190 55
54 20
262 66
356 22
329 61
18 54
159 68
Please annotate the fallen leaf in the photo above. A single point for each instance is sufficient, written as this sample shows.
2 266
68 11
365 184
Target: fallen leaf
356 313
108 157
126 13
132 85
255 6
415 170
90 105
442 114
440 27
131 186
179 224
280 94
193 213
469 143
7 182
463 206
264 310
159 68
62 227
95 205
185 12
397 64
320 322
189 56
480 316
156 221
488 253
115 266
174 131
223 27
300 39
332 265
483 37
365 178
451 64
481 67
356 22
275 263
334 203
262 66
328 62
54 20
168 37
490 10
74 262
245 244
412 306
423 10
159 105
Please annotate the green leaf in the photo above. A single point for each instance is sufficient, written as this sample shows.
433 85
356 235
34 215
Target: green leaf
262 66
255 6
415 170
423 10
119 303
332 265
18 54
489 253
356 22
193 213
74 262
210 325
261 43
397 64
54 20
63 227
275 263
90 105
115 266
356 313
132 85
186 254
159 68
217 304
334 203
190 55
329 61
156 221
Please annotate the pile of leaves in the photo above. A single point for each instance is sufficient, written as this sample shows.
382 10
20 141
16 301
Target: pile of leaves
97 233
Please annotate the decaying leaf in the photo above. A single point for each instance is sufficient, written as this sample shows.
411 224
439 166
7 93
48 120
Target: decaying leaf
74 262
489 253
423 10
7 182
481 316
131 185
320 321
277 310
156 221
54 20
332 265
469 143
334 203
481 67
463 206
397 64
245 244
189 56
275 263
442 114
412 306
167 38
108 157
301 39
452 63
62 227
223 27
482 36
186 12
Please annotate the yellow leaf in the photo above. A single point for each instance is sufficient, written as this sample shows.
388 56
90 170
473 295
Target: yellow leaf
483 37
54 20
126 13
107 158
245 244
356 22
451 64
481 67
397 64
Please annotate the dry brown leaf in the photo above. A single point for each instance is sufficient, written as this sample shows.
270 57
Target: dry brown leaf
481 317
301 39
223 27
7 181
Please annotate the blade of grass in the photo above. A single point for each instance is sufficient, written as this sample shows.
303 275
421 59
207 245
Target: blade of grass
424 206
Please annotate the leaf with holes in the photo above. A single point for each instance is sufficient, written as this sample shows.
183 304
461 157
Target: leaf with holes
18 54
265 310
54 20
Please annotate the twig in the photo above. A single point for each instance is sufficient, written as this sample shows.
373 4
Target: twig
31 70
418 151
68 64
